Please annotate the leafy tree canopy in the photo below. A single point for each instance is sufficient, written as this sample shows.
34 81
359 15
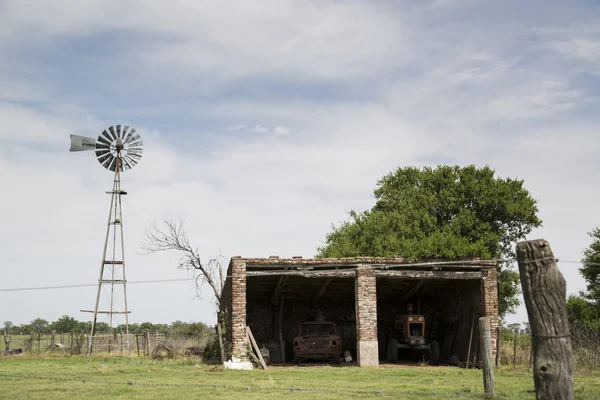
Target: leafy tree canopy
591 267
444 213
582 311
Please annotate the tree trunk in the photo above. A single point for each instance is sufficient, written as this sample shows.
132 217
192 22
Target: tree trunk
544 291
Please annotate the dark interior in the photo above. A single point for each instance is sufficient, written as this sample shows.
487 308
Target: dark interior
301 299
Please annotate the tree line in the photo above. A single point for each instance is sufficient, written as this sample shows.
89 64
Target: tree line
68 324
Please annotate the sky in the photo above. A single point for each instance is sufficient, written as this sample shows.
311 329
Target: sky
265 122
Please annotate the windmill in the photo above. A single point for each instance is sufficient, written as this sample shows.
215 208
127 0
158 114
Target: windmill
117 150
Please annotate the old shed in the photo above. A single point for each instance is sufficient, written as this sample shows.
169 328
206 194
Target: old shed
273 296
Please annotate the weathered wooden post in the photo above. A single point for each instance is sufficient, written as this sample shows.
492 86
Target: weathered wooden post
498 346
515 348
6 342
147 349
544 291
52 339
487 363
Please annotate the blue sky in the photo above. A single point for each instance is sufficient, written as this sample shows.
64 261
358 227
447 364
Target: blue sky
266 121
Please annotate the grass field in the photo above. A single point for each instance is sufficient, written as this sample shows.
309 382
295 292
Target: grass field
108 377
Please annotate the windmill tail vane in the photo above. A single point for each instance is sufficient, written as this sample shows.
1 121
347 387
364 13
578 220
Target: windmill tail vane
117 150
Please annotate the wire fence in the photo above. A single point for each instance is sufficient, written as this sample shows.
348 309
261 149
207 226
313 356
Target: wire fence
515 348
155 344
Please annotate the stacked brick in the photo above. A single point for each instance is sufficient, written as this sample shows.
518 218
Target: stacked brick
238 308
366 304
490 302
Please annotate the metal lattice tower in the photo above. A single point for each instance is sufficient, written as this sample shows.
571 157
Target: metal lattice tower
117 150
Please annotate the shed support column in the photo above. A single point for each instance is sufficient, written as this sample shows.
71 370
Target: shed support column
366 317
489 289
238 309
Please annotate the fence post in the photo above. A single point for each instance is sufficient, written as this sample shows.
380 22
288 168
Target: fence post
52 338
487 365
515 348
147 349
6 342
121 340
544 291
498 345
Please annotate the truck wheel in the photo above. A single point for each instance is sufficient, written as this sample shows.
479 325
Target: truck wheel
392 351
434 353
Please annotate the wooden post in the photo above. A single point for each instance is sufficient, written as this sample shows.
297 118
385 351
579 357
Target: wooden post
254 345
137 343
281 345
544 291
6 343
52 339
121 340
485 340
515 348
147 349
471 337
497 346
39 339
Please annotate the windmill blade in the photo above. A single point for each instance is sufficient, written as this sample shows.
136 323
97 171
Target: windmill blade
102 146
132 161
129 136
135 156
105 157
125 163
102 152
109 162
125 128
119 131
103 140
112 132
81 143
132 138
107 136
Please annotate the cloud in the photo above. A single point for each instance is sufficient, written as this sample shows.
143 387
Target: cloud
264 123
282 130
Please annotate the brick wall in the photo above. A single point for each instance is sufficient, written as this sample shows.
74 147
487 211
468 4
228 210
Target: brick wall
238 308
490 303
233 307
366 304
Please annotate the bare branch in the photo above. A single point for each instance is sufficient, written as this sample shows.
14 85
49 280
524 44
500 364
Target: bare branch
172 237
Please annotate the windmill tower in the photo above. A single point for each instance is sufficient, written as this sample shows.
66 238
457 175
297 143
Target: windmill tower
117 150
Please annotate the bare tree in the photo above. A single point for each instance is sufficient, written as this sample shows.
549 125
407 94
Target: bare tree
172 237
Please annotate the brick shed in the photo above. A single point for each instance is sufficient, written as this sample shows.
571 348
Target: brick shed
273 296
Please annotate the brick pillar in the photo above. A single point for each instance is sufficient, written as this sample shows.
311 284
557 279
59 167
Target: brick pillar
238 308
489 288
366 317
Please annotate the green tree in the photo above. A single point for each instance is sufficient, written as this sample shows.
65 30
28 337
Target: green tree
8 325
446 213
580 310
40 325
65 324
591 267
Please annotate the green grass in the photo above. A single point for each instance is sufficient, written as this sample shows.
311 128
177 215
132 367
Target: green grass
274 383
